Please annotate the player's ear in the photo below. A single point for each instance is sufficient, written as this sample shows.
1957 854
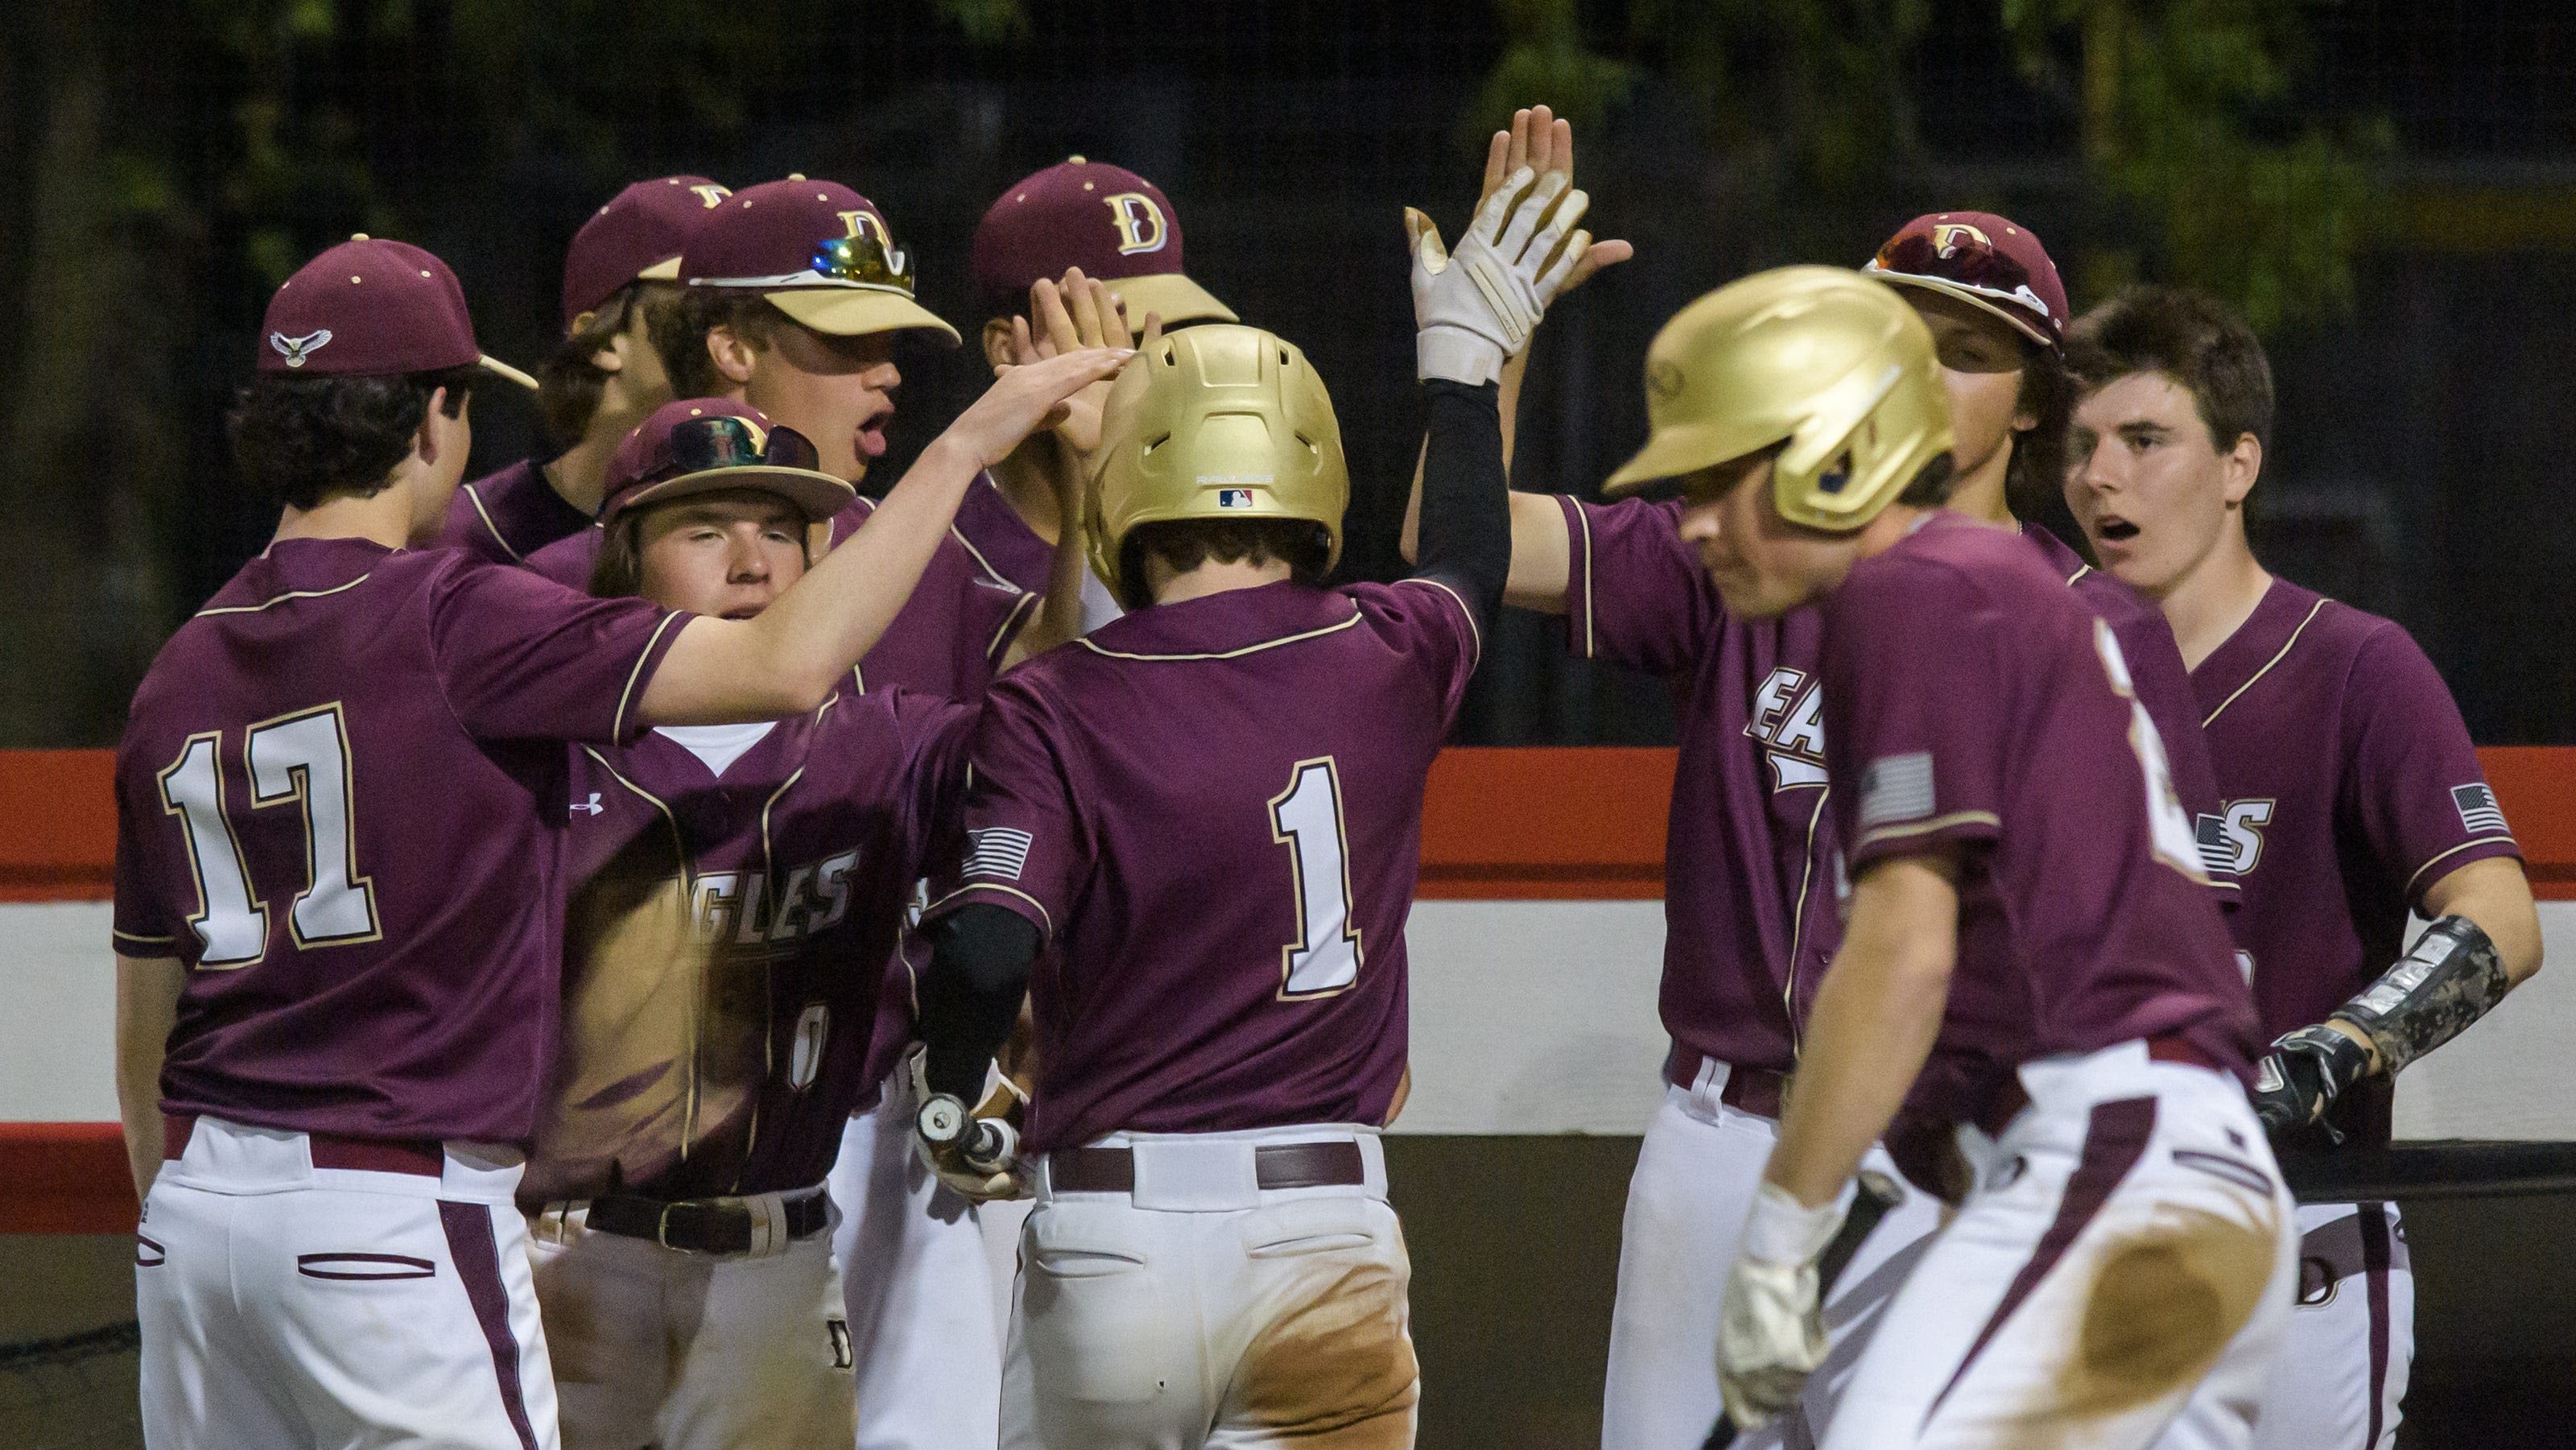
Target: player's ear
997 341
731 352
2244 464
424 439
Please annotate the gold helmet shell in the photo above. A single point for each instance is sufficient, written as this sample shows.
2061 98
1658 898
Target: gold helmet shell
1833 365
1217 421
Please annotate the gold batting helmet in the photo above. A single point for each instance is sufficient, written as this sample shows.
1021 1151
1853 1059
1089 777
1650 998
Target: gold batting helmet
1220 421
1826 361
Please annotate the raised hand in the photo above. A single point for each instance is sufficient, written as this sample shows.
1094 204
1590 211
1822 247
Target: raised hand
1478 305
1077 313
1542 142
1027 397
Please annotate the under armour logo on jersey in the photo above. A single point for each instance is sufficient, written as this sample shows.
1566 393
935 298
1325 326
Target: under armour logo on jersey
296 349
2478 808
591 805
997 851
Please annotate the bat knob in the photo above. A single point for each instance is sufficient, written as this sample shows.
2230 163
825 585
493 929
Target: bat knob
942 1121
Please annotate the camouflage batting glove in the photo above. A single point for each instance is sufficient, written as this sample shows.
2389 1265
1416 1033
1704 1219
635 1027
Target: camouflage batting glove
1479 304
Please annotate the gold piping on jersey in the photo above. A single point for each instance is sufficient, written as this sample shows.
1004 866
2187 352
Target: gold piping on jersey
617 725
2455 850
282 598
994 886
688 895
136 936
1475 636
1010 626
1086 643
1798 921
2286 646
1583 518
1917 828
490 527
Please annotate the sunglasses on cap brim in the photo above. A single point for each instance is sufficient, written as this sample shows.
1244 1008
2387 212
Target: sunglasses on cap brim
837 262
701 444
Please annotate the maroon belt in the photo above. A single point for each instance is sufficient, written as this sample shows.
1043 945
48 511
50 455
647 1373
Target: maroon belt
1756 1090
1274 1165
423 1157
2008 1099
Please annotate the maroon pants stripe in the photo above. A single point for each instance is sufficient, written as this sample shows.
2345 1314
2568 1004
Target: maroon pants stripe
2115 1138
2373 1218
477 1256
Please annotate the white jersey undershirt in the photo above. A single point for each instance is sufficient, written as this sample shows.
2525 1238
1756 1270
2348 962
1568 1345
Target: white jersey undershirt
717 746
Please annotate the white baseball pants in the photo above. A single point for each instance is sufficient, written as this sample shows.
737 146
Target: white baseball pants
682 1351
1200 1310
2343 1367
1696 1174
288 1305
925 1315
2128 1244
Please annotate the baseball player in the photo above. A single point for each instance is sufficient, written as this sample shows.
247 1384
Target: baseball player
917 1257
2029 932
2351 797
602 379
727 879
1210 809
793 293
336 988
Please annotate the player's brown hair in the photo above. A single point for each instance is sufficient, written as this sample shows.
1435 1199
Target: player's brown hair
617 572
2188 336
2035 476
568 384
1184 544
680 335
306 439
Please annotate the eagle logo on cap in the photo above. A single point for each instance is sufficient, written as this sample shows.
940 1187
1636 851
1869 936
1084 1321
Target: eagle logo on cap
296 349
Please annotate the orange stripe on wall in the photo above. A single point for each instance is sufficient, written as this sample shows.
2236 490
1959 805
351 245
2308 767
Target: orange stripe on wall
1529 824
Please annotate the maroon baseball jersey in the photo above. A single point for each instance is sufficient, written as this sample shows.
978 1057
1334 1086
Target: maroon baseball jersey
2164 686
726 943
947 640
1974 703
340 801
2350 787
1212 809
506 517
1750 918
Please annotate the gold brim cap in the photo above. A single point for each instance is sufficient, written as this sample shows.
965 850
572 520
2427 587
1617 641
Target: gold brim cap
858 311
1170 296
500 369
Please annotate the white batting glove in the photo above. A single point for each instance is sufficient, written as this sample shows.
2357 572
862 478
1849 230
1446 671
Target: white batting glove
1479 304
1771 1329
947 1135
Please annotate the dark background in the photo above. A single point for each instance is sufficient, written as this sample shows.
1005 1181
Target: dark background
2388 189
2385 187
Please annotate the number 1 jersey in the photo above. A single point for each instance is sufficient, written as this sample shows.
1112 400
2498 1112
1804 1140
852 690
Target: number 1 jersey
340 802
1212 810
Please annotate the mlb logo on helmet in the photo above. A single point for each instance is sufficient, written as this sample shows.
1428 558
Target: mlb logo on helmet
1234 498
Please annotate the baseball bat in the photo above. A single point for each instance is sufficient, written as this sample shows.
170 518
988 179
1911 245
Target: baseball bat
1872 1197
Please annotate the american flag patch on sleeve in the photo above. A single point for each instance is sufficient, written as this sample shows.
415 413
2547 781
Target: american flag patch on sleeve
2478 809
1896 788
997 851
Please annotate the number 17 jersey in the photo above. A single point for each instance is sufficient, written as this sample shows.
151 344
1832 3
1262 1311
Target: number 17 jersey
1212 810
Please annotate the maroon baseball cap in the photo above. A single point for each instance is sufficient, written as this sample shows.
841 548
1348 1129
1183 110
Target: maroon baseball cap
372 308
706 445
1107 220
1986 261
640 234
820 252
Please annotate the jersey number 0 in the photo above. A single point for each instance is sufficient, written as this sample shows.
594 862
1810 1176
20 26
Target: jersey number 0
303 758
1307 818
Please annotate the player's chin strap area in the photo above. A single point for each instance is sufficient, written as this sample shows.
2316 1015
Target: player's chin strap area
2451 978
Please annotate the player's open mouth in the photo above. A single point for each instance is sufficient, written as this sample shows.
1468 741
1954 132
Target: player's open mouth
2114 529
743 611
869 440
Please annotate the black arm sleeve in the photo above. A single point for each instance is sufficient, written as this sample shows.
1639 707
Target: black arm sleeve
1466 531
980 959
